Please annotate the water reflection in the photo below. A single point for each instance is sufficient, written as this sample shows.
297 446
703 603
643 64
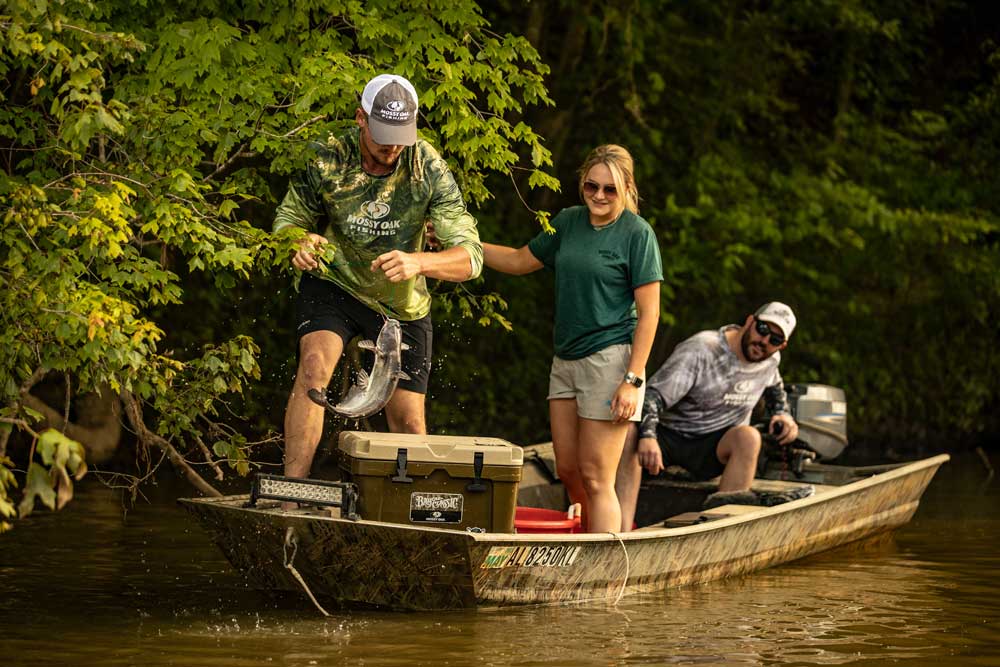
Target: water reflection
89 587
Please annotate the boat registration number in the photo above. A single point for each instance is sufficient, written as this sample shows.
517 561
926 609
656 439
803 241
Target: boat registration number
436 507
534 556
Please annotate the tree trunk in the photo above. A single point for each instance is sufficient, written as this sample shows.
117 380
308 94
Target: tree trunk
99 427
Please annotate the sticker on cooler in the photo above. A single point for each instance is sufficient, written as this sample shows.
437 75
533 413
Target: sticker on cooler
436 507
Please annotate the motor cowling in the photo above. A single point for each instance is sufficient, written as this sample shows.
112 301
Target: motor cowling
821 413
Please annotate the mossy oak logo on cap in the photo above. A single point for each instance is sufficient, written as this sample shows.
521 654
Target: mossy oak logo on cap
393 104
780 311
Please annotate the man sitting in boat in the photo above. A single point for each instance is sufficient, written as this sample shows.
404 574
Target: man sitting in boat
696 412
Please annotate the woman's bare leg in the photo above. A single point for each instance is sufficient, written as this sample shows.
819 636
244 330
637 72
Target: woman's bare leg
564 423
600 446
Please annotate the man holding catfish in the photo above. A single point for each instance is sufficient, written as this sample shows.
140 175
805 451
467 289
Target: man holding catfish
370 194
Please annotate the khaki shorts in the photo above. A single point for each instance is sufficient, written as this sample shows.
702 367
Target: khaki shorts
593 381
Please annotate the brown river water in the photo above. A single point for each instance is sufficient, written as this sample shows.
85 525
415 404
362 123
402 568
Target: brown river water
94 585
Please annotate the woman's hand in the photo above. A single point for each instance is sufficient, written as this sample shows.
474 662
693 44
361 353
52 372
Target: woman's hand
624 404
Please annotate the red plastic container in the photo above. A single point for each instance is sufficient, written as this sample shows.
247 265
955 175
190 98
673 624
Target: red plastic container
535 520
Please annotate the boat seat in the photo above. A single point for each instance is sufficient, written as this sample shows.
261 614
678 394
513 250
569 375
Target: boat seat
730 510
691 518
779 485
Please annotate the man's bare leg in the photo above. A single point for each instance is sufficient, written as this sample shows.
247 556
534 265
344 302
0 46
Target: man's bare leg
405 412
319 353
629 478
738 451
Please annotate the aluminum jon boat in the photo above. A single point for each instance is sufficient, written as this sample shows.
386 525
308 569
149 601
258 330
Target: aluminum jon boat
409 567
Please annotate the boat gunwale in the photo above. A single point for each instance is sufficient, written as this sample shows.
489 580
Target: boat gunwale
830 493
833 492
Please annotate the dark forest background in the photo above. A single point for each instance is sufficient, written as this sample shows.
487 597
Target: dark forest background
837 156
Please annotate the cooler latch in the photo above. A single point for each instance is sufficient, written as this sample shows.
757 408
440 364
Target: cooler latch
401 467
477 474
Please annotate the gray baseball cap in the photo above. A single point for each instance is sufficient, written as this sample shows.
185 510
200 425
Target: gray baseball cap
391 104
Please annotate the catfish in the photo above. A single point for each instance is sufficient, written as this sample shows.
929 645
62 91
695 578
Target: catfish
372 391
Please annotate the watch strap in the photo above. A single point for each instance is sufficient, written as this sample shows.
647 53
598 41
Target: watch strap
633 379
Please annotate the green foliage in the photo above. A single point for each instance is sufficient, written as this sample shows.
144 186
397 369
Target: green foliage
867 220
7 483
143 149
50 481
839 156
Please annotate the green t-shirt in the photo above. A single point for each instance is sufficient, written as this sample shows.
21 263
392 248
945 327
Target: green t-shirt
364 216
597 271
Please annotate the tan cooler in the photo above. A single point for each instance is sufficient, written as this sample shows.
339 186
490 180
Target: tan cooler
442 481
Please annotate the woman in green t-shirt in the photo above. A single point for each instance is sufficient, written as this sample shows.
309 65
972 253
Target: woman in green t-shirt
607 280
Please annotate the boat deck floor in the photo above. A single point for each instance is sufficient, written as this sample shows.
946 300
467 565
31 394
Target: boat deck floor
724 511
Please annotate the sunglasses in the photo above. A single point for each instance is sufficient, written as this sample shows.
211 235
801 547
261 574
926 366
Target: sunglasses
764 331
590 189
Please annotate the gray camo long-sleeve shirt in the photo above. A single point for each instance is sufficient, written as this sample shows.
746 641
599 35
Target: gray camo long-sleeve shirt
704 387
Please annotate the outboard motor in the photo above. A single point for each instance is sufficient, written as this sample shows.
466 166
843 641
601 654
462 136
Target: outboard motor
821 413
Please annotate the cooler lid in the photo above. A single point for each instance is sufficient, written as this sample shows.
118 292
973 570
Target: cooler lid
430 448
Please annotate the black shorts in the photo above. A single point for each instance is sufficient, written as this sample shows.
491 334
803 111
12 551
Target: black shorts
323 306
695 453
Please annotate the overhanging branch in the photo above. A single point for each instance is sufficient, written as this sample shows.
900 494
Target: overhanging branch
147 437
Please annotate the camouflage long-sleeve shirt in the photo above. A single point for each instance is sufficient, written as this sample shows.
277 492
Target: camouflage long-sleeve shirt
704 387
364 216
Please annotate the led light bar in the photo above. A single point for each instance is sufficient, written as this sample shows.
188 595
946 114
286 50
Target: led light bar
306 491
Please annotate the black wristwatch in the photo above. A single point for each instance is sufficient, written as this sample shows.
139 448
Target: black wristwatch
633 379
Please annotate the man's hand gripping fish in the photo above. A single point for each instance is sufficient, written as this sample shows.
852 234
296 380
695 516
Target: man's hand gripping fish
372 392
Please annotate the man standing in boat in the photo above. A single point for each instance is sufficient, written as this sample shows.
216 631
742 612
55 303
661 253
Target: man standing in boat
697 407
370 194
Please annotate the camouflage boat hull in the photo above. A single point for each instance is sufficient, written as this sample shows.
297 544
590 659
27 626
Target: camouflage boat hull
407 567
